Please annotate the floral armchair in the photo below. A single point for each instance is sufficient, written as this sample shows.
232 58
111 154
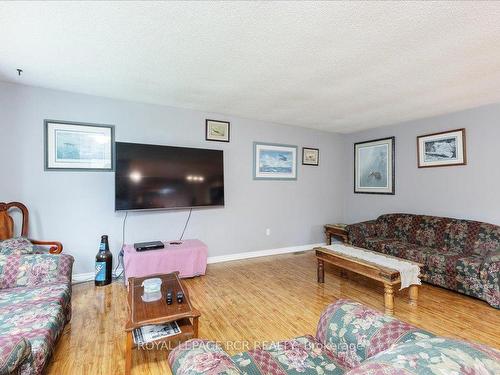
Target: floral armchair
35 297
350 339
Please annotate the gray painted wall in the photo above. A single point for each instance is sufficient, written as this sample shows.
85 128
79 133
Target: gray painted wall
470 191
77 207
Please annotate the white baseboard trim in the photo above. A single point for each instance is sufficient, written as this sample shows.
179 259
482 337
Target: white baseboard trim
89 276
261 253
83 277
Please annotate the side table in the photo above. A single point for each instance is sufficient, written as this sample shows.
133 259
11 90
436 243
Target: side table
336 230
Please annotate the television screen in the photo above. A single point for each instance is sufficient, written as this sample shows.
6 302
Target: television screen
166 177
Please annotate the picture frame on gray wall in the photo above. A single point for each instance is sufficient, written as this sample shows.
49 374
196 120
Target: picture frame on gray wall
310 156
443 149
78 146
217 131
375 166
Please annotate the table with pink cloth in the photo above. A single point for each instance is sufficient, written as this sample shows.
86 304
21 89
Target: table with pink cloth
189 258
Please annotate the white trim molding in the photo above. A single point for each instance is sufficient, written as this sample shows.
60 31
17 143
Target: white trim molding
89 276
262 253
83 277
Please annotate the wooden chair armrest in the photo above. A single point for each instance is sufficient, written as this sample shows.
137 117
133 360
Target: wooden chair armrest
56 247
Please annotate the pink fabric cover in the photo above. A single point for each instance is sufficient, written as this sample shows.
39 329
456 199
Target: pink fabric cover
189 258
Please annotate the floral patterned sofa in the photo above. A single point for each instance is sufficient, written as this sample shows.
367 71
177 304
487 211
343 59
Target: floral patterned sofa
461 255
350 339
35 305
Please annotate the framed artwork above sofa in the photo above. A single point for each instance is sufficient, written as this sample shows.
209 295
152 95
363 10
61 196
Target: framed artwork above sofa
442 149
374 171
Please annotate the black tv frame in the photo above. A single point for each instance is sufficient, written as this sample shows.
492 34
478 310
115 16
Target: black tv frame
167 208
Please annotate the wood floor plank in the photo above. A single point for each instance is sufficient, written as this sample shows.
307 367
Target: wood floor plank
257 300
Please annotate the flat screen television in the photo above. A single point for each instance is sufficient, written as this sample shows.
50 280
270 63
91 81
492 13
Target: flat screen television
151 177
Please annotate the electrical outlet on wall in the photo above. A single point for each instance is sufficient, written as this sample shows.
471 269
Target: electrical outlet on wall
268 231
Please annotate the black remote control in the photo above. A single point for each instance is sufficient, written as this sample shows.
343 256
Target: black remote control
180 297
170 297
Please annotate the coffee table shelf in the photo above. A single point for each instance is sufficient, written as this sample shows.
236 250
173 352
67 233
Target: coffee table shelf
187 332
158 312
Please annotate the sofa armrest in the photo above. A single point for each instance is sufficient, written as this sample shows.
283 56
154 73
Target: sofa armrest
360 231
35 269
354 332
490 276
198 357
55 247
13 352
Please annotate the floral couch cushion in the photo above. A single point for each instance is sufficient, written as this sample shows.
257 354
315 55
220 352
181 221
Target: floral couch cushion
41 324
487 240
379 345
444 262
400 226
490 276
457 235
468 276
198 356
415 253
59 293
34 269
302 355
354 332
433 356
404 227
13 352
16 246
429 231
378 243
358 233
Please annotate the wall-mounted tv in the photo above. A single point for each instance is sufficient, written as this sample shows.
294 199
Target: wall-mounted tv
151 177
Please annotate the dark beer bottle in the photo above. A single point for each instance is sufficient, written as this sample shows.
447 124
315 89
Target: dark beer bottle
103 263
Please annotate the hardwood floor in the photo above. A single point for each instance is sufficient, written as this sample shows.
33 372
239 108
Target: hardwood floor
255 300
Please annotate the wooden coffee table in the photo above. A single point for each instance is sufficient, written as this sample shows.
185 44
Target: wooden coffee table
158 312
388 276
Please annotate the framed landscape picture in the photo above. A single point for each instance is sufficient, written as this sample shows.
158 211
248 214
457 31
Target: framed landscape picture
441 149
78 146
374 166
310 156
274 161
217 130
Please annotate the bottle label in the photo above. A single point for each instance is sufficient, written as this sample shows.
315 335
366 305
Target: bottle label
100 271
102 246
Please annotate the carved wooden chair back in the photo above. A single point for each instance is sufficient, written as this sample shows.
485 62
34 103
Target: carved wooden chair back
7 222
7 226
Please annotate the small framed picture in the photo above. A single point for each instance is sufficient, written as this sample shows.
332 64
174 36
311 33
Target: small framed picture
274 161
217 130
374 166
310 156
73 146
442 149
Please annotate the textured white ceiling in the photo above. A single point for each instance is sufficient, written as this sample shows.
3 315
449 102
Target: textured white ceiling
331 65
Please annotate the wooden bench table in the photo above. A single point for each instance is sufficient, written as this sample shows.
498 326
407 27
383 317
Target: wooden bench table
388 276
